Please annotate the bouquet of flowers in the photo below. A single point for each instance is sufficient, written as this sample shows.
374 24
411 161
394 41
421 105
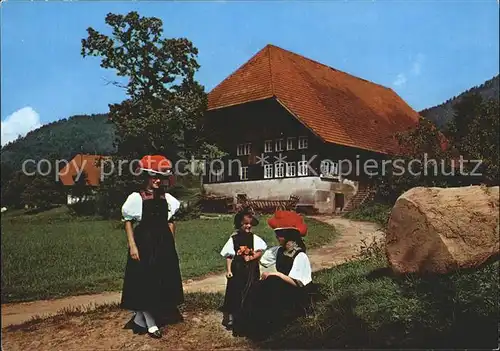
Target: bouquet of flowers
245 251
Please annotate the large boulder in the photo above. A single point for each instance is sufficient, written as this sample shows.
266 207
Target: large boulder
437 230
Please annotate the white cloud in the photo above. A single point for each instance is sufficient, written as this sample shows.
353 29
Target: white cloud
19 123
416 67
415 70
400 80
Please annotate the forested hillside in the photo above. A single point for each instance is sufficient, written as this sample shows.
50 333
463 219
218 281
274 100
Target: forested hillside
61 139
443 113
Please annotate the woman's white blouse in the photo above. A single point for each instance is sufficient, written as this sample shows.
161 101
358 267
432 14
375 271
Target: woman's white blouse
301 268
132 208
228 249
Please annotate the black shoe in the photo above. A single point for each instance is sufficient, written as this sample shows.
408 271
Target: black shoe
156 335
130 324
237 334
228 321
139 330
136 329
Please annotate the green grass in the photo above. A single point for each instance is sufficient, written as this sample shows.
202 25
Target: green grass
52 254
364 306
371 212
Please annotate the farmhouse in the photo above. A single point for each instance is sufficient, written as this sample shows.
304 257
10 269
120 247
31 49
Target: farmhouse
84 167
294 126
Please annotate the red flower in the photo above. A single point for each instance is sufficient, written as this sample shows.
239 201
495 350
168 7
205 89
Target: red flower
245 251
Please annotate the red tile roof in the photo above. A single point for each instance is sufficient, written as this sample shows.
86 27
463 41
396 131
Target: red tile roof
82 162
337 106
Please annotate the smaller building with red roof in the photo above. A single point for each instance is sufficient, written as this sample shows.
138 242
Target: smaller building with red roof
87 166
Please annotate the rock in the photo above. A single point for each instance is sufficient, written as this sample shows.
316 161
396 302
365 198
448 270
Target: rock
438 230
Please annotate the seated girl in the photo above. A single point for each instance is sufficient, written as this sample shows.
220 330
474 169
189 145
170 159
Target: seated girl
281 295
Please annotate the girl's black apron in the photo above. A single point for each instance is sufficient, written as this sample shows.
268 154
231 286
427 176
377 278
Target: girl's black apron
244 275
272 302
154 282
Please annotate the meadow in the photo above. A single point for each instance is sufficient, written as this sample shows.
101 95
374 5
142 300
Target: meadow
54 254
365 306
362 305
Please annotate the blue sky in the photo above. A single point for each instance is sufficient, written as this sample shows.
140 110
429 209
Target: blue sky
427 51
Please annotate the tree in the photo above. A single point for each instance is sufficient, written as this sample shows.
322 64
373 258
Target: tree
426 157
81 190
6 175
474 132
114 189
464 113
165 106
37 193
13 188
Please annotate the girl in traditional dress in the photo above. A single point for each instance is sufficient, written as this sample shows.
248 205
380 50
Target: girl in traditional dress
281 295
242 252
152 286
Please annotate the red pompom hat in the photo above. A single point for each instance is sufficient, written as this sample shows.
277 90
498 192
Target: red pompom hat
156 165
287 220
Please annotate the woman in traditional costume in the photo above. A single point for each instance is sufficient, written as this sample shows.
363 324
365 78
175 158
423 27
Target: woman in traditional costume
242 252
152 285
281 295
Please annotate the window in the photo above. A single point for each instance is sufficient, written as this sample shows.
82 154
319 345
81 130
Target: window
303 170
243 149
291 169
303 143
290 143
268 146
279 170
244 173
215 176
279 145
329 169
268 171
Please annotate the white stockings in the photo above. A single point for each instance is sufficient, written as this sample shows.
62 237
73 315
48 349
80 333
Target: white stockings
145 319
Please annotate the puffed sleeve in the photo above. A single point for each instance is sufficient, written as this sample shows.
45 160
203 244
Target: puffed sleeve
301 269
173 205
132 208
258 243
268 258
228 249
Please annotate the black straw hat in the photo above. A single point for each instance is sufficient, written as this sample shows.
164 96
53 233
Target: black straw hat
238 218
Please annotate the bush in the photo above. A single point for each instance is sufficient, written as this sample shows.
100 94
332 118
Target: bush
191 210
373 249
83 208
179 191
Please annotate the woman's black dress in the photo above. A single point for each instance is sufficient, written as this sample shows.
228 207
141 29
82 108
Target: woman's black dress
154 282
272 302
244 275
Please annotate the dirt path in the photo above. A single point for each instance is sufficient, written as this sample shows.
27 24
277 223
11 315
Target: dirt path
346 245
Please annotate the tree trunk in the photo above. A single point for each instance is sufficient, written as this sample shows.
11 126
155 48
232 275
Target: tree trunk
437 230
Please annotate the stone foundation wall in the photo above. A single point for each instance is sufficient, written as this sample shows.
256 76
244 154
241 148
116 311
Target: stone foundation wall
313 191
